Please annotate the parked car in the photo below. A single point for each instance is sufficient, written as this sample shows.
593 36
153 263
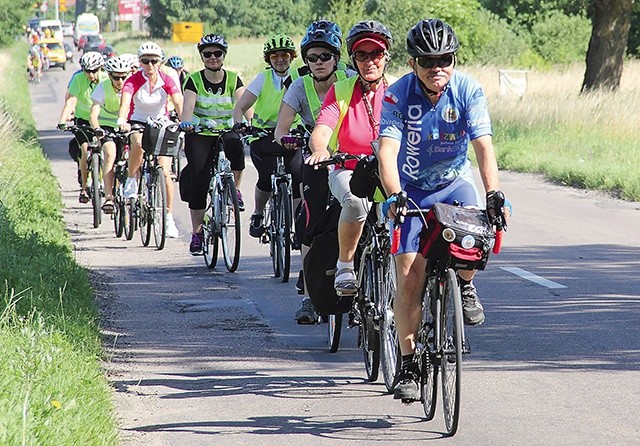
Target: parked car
67 29
56 54
85 40
107 51
69 50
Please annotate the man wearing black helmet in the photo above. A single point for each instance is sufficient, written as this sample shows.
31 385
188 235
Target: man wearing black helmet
429 117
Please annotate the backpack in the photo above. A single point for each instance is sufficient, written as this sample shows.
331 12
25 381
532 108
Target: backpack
320 263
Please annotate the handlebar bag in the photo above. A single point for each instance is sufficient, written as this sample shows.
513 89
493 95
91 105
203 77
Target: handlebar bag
473 240
365 181
161 138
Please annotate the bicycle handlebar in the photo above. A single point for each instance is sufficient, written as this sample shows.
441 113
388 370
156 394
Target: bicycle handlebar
339 159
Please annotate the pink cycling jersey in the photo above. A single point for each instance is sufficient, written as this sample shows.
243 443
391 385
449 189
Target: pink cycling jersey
145 103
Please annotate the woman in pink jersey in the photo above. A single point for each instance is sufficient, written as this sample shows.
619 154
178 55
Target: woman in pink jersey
355 128
145 96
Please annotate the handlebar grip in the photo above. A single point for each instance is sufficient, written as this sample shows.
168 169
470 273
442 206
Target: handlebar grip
498 243
395 240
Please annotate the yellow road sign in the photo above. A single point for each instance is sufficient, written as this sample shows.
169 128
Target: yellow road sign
187 32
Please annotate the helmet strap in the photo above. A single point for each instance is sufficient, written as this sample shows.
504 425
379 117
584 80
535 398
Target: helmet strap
215 70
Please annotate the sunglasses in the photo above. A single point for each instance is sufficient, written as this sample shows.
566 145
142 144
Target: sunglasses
149 61
119 78
208 54
363 56
93 71
276 56
324 57
435 62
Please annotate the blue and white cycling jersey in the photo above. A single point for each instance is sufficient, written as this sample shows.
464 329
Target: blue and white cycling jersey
434 139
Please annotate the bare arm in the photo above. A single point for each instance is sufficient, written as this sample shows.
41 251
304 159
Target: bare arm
286 115
248 114
388 165
177 100
245 102
94 114
123 113
319 144
188 105
487 163
69 106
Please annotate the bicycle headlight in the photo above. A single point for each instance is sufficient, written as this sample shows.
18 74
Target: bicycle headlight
468 242
449 234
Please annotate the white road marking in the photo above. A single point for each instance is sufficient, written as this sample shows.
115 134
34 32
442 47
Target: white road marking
532 277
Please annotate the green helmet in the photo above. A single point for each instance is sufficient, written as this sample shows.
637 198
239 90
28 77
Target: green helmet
278 42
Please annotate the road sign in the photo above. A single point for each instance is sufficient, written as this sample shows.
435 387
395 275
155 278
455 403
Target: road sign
187 32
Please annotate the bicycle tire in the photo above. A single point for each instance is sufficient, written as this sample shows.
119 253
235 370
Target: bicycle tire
131 220
334 324
452 330
210 242
119 211
96 196
389 347
368 335
284 230
159 208
230 232
274 246
143 209
428 361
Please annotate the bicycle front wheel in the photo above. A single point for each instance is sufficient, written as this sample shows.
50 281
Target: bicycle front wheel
119 208
451 333
389 357
210 245
230 225
96 196
428 360
369 336
283 230
158 207
144 210
274 246
335 328
130 218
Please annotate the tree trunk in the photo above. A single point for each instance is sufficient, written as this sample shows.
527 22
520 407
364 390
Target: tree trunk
608 43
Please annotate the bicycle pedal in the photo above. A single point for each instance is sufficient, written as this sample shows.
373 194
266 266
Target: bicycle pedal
408 401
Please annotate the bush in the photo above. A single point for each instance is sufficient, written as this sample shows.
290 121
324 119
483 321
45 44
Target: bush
560 38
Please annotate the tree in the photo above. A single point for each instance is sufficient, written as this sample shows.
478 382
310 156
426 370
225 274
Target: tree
605 56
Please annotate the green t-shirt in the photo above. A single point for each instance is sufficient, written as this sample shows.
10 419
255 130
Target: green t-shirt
81 88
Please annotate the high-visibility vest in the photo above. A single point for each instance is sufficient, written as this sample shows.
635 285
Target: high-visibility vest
267 106
216 107
312 95
344 93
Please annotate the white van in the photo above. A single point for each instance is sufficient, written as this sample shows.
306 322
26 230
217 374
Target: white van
55 26
87 24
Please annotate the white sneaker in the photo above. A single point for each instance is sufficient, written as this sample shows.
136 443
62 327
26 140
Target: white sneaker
170 227
130 188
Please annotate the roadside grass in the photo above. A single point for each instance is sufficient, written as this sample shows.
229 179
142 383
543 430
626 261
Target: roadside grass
52 388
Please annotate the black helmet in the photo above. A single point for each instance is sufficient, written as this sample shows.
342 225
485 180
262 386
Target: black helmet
320 38
368 28
431 37
213 39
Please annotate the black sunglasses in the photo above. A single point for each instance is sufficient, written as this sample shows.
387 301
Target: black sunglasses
93 71
325 57
118 78
208 54
149 61
363 56
435 62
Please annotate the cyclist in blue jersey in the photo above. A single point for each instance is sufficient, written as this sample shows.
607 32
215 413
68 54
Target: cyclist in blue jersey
429 117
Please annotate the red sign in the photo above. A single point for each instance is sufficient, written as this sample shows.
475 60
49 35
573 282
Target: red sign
129 10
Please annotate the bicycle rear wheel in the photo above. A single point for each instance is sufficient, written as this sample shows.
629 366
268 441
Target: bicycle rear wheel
230 225
451 330
145 213
283 229
274 246
368 335
130 218
96 196
158 207
389 357
335 327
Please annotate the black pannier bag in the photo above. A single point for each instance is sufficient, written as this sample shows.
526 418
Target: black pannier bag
161 138
365 179
469 244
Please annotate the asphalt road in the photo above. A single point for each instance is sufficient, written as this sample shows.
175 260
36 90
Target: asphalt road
205 357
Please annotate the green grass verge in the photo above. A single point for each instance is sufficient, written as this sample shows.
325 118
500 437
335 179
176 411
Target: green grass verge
52 388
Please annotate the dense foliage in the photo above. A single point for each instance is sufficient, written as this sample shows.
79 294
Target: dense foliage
14 14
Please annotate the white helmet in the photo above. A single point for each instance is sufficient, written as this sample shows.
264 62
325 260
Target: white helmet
150 49
131 59
117 65
91 61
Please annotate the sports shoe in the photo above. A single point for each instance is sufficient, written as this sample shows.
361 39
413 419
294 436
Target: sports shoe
195 247
130 188
346 283
170 227
472 309
300 283
306 314
240 202
255 227
407 388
